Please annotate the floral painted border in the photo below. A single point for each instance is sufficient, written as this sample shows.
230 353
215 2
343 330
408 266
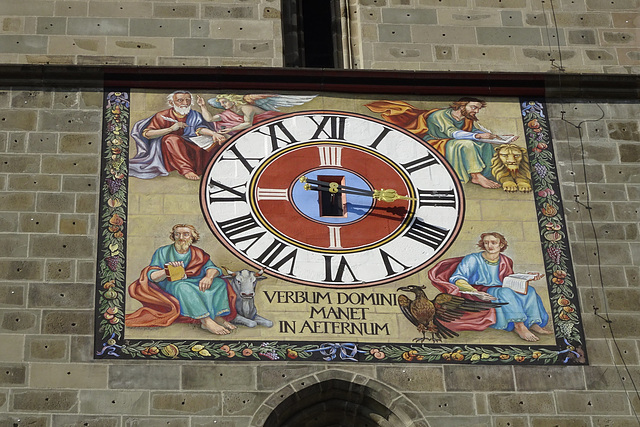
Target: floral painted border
110 341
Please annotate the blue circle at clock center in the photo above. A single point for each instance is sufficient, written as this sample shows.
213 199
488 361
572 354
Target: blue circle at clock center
310 203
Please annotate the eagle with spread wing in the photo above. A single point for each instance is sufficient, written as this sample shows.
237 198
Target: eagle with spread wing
427 315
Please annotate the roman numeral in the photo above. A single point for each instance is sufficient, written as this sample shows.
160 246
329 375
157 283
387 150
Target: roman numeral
427 234
226 194
380 137
386 260
420 163
272 259
334 130
330 156
343 266
243 159
273 194
238 226
275 138
334 237
437 198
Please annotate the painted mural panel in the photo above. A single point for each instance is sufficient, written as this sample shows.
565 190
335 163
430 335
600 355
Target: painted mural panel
332 227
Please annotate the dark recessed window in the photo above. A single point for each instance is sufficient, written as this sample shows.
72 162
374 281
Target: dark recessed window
311 33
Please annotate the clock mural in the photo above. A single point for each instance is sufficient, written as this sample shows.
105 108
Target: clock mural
332 227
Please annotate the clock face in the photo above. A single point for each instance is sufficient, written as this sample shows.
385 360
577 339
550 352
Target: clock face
311 198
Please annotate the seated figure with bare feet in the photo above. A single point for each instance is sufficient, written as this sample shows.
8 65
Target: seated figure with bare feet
481 274
197 293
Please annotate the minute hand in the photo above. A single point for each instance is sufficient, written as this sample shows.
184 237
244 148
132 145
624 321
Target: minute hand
388 195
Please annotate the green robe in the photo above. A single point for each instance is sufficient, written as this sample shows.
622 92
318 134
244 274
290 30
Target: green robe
466 156
194 303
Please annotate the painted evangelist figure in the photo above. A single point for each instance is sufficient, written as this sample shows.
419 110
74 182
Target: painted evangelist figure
173 140
481 275
181 284
184 140
454 132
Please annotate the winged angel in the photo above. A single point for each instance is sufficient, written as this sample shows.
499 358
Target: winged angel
243 111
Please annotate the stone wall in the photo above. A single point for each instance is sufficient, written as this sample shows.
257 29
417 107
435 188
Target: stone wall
49 165
585 36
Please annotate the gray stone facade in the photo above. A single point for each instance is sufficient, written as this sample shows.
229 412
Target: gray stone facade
49 167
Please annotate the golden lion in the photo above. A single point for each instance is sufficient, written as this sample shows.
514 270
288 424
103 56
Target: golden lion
511 169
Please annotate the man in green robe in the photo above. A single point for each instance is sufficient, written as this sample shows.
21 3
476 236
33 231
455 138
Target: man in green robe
198 292
452 131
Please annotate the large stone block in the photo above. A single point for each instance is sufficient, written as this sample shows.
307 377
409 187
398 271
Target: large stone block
75 376
242 403
229 12
12 347
31 99
609 378
38 222
80 184
159 28
221 377
608 5
70 121
62 246
573 402
58 295
97 26
14 245
13 375
43 348
454 35
114 402
165 377
623 130
412 378
55 202
582 37
88 420
552 421
24 420
67 322
45 401
17 163
9 221
19 321
80 143
509 36
120 9
502 4
435 404
31 182
186 403
23 44
202 47
406 17
12 295
478 378
74 224
21 269
173 10
50 25
518 403
549 378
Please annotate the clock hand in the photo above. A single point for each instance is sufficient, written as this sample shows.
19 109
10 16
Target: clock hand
389 195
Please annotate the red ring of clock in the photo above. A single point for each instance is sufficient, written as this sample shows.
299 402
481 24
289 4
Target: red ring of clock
383 222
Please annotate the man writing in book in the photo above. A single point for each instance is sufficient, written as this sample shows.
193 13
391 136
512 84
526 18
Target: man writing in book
482 274
186 273
166 141
453 131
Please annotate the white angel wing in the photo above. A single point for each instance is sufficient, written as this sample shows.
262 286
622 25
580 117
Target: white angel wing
214 103
275 102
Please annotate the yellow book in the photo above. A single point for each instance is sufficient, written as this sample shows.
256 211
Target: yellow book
174 273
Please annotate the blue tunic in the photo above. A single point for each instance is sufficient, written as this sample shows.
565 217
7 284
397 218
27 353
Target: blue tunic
194 303
520 308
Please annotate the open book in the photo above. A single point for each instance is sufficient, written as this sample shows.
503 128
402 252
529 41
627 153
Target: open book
519 282
202 141
504 139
